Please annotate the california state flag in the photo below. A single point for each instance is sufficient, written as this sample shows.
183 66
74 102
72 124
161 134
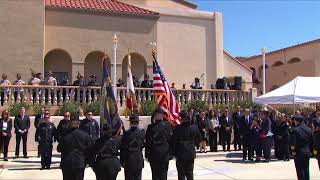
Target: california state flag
130 96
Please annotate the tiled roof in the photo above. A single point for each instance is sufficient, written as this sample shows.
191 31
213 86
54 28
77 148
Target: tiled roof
110 6
286 48
237 61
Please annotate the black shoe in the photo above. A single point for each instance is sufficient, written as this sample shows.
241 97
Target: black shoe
244 159
38 156
48 167
26 157
250 159
42 168
257 160
266 161
15 157
5 159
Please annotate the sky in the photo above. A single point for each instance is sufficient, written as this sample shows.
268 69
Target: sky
250 25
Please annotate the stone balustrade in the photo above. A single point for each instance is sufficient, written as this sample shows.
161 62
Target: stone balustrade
57 95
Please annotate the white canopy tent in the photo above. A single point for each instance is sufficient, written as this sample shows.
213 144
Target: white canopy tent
299 90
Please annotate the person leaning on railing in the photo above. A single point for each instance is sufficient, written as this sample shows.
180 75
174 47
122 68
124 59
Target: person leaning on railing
18 82
4 81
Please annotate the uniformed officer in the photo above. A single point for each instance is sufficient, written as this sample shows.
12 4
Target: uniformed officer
301 138
45 136
73 147
64 126
184 139
158 151
247 136
283 136
104 154
132 143
90 126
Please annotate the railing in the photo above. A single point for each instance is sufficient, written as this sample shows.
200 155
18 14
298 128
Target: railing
57 95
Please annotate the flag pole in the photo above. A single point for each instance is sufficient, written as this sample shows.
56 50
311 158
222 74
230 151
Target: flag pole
114 78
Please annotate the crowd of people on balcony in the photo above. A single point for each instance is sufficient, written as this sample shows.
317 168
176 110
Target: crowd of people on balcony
254 131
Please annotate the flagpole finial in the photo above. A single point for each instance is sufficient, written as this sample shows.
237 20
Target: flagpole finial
154 45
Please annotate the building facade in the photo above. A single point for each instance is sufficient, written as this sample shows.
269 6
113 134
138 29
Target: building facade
69 37
285 64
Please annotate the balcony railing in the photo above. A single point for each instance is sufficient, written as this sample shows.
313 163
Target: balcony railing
57 95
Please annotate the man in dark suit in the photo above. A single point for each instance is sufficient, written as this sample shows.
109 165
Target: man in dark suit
37 120
226 124
90 126
236 116
266 135
73 148
64 126
301 138
245 133
21 126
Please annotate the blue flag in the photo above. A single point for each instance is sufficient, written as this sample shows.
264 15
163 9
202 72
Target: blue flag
108 109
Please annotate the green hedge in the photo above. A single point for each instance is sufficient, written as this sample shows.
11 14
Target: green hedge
15 107
69 107
92 107
147 108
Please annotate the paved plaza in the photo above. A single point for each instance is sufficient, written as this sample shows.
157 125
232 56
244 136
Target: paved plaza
218 165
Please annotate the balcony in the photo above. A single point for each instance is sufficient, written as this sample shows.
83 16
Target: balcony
57 95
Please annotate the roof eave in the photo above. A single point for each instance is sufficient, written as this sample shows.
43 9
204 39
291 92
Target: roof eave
99 12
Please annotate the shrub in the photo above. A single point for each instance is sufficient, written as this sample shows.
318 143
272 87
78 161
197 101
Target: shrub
147 108
196 104
15 107
69 107
93 107
37 108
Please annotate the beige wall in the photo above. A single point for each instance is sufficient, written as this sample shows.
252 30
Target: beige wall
156 3
22 37
79 34
186 48
232 68
308 53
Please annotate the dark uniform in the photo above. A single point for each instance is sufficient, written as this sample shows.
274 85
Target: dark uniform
301 138
45 136
283 136
246 132
184 139
236 130
91 127
158 151
64 127
266 138
38 118
73 147
226 124
131 157
104 154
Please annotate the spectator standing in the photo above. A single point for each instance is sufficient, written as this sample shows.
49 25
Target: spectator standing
4 91
21 125
19 82
5 133
203 128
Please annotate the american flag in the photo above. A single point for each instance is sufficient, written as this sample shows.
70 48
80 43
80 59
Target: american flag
163 95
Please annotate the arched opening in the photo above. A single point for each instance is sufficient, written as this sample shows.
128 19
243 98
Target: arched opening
138 66
260 70
278 63
294 60
254 75
93 65
274 87
59 62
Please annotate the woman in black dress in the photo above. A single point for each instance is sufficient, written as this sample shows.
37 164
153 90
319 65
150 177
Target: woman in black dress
203 127
5 133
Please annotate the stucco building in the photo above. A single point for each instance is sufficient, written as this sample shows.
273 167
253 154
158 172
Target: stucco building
285 64
70 37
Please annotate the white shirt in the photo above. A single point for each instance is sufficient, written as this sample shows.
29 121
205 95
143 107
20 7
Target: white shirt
4 126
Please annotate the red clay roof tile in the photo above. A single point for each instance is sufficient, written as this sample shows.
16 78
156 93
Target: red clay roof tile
100 5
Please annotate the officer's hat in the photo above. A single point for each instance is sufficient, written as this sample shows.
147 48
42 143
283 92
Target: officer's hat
106 129
184 116
134 118
159 110
298 118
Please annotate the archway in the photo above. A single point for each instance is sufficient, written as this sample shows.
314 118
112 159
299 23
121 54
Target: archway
278 63
60 63
138 66
93 65
294 60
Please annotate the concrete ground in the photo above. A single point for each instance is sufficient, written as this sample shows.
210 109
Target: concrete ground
218 165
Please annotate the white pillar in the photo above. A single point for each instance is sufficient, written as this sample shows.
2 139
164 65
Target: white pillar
114 72
263 51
